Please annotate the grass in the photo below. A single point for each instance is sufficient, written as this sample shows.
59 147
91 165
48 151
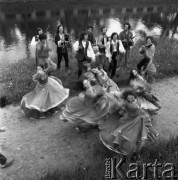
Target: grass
164 151
16 81
16 78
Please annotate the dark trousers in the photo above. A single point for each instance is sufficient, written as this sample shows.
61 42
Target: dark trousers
80 67
81 63
36 61
3 159
65 55
143 63
113 64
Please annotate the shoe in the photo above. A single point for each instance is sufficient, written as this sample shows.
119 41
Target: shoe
8 163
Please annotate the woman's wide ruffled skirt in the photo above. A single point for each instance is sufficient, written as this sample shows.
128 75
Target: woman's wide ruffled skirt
44 98
129 135
78 112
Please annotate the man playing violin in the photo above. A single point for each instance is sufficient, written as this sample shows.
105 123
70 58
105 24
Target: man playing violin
62 41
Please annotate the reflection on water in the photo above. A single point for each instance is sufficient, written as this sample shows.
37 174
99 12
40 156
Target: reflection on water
18 23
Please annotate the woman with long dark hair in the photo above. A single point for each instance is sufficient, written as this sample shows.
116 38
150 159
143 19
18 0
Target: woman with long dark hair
133 129
104 81
88 107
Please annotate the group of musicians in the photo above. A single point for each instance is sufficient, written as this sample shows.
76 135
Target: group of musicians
107 52
108 48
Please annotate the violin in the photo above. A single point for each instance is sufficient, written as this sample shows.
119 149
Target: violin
66 42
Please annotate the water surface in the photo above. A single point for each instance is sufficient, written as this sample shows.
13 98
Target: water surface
19 21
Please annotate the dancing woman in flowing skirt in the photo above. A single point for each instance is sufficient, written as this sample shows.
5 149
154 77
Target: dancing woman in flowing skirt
133 130
105 81
47 96
147 100
87 108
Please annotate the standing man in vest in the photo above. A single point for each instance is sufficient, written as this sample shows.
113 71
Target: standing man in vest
62 40
84 52
126 37
114 48
102 41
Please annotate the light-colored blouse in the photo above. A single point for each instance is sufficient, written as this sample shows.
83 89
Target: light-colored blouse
148 51
108 45
90 52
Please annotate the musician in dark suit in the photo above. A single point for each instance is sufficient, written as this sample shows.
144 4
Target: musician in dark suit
62 40
91 36
126 37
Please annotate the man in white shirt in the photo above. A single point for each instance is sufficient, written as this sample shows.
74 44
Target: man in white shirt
114 48
84 52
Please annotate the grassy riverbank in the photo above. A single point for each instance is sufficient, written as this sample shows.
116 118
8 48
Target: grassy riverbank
162 152
16 81
16 78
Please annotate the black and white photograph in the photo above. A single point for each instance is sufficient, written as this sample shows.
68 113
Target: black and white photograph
88 89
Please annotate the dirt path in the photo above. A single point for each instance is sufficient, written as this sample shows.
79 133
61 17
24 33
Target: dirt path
40 146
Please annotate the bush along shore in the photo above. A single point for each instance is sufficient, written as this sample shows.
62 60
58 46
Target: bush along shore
156 161
16 78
